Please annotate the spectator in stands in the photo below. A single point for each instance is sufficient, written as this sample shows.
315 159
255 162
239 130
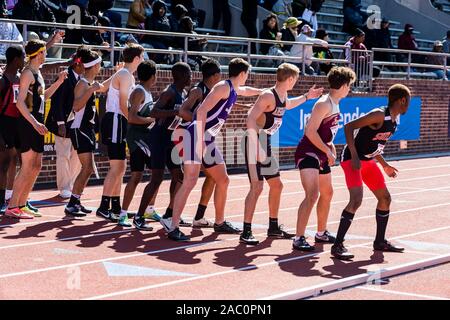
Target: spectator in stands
3 11
306 51
59 9
323 53
289 32
178 13
283 9
221 9
197 15
299 6
103 8
8 31
359 59
309 14
437 60
354 17
407 41
34 10
158 21
194 43
446 43
248 19
379 38
269 31
137 15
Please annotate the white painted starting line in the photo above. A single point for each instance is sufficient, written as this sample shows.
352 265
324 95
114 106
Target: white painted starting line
360 279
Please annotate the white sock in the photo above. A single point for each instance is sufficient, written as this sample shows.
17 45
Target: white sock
151 209
123 213
8 194
320 233
296 238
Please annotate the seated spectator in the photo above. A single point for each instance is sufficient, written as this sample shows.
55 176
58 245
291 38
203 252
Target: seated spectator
194 43
197 15
283 9
323 53
310 13
437 60
407 41
269 31
59 9
158 21
103 8
354 17
300 51
8 31
289 32
34 10
361 57
178 13
137 15
379 38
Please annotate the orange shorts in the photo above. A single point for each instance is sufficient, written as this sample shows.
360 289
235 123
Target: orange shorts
369 173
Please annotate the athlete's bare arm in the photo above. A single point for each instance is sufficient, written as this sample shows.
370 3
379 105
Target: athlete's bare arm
194 96
249 91
158 110
375 118
313 93
82 93
137 98
123 82
50 91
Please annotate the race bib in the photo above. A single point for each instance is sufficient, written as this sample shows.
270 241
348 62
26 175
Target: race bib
41 107
277 122
334 131
215 129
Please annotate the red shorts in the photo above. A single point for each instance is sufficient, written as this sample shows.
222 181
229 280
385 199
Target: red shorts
369 173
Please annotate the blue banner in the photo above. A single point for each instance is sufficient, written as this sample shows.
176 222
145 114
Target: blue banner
294 121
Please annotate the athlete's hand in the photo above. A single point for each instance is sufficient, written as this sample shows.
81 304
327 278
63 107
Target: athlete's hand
331 158
62 130
390 171
314 92
356 163
62 76
40 128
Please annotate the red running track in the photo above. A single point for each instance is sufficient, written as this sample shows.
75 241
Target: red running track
55 257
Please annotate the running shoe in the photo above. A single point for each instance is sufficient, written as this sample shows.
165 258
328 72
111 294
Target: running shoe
140 224
325 238
279 233
105 214
340 252
114 217
31 207
202 223
248 238
124 222
177 235
166 223
226 227
36 214
18 214
74 210
155 216
3 208
184 223
302 245
386 246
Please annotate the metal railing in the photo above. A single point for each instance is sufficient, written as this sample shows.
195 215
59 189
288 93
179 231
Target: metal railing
409 64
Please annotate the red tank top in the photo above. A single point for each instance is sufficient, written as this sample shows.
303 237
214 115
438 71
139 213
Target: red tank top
8 99
327 132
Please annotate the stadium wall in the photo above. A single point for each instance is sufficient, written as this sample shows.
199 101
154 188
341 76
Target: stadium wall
434 128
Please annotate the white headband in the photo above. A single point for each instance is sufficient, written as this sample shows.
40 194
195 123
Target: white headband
92 63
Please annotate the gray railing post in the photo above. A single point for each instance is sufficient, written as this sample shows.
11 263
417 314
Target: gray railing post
249 51
112 45
408 76
303 59
186 46
371 70
25 32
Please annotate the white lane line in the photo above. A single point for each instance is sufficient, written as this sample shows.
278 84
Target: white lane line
416 295
257 266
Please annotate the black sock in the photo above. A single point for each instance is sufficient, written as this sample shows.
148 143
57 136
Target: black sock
115 205
2 196
168 213
104 205
73 200
200 212
247 227
382 221
273 223
344 225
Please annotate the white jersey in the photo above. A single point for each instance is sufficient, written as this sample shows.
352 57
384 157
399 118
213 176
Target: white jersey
113 99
